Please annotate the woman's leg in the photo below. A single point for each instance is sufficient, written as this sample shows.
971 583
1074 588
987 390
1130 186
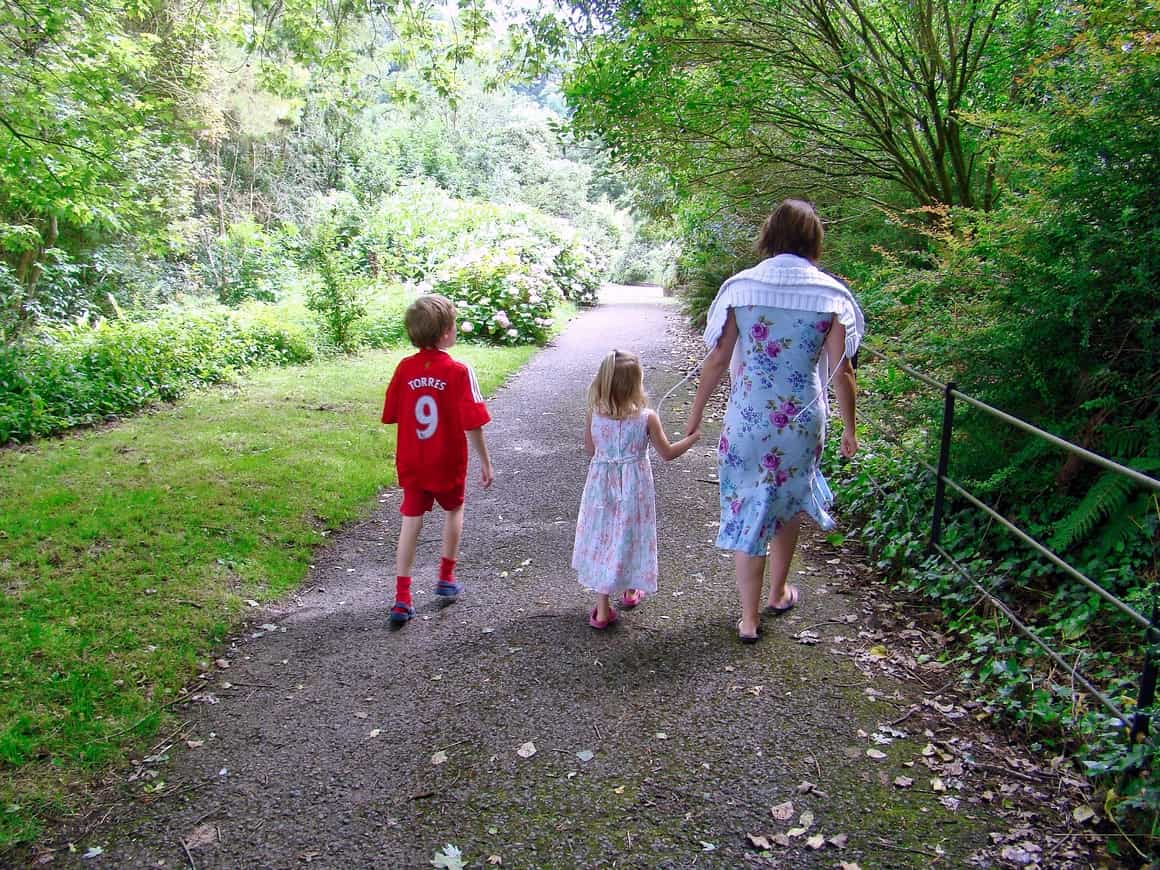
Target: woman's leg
781 551
750 573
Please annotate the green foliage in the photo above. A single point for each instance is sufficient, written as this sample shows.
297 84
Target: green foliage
246 264
80 374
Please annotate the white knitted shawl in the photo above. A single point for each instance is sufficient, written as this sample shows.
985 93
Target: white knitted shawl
790 282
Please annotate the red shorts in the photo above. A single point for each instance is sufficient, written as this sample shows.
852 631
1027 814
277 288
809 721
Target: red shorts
417 502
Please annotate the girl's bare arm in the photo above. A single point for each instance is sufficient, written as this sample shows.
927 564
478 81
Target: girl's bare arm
656 434
589 444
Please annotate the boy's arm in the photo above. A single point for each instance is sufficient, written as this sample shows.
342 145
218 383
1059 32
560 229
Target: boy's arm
391 402
656 434
486 474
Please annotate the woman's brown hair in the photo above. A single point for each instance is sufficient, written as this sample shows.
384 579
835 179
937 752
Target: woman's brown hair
794 228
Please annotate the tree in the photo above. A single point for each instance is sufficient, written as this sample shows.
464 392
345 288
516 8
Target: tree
731 92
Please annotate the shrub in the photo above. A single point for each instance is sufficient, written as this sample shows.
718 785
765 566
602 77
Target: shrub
499 298
79 374
338 293
245 263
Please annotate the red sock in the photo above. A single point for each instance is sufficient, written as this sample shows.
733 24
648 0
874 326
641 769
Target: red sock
447 570
403 590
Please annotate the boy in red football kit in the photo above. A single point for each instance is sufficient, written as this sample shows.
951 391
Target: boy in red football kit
438 406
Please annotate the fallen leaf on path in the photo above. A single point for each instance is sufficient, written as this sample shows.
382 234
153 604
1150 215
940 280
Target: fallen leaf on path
361 715
1017 855
619 789
661 735
194 744
202 835
586 755
222 663
494 860
527 750
375 732
878 651
937 784
439 757
816 841
1083 813
903 781
707 846
781 840
782 812
849 865
805 787
876 754
759 841
838 841
450 858
93 852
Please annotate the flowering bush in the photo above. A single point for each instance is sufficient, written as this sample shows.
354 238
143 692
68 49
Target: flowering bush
499 298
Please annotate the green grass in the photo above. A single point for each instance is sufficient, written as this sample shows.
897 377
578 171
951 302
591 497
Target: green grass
126 554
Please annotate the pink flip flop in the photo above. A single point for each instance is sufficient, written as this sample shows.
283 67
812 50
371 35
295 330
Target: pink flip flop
631 598
599 624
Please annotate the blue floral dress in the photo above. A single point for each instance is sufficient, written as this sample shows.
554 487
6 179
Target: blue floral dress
771 443
616 530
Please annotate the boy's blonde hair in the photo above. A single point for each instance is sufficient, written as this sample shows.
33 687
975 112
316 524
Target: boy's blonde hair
428 318
618 390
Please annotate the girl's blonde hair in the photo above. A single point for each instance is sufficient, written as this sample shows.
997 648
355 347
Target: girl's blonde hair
618 390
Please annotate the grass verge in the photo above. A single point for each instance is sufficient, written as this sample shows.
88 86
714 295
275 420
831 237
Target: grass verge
126 554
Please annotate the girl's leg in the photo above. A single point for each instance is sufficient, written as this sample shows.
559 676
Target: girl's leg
750 573
603 608
781 551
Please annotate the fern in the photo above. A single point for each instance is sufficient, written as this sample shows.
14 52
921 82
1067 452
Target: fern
1107 497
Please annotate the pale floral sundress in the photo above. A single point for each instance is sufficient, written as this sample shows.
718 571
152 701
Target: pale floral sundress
616 530
771 444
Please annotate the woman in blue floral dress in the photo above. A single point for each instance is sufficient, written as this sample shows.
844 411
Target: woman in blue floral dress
785 330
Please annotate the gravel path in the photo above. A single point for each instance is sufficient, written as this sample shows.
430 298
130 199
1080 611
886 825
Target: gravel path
333 741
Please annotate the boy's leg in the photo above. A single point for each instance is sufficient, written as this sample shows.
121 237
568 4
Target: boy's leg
452 533
403 608
408 543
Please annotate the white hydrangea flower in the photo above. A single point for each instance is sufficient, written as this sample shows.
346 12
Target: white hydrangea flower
513 333
467 327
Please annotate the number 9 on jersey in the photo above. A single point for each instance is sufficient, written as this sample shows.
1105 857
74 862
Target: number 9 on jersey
427 416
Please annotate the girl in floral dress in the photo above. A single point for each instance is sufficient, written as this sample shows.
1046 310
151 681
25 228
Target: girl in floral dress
615 551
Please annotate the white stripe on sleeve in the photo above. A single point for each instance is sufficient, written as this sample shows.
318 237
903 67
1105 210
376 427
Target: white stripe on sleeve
476 392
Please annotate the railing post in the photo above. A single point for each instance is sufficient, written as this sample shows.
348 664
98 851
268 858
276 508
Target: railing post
944 458
1140 720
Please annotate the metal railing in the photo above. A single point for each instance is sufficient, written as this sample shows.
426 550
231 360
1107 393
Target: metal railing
1147 685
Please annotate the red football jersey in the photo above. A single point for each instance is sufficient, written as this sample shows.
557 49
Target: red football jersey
434 400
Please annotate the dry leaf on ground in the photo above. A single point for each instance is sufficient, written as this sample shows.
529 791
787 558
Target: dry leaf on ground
782 812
